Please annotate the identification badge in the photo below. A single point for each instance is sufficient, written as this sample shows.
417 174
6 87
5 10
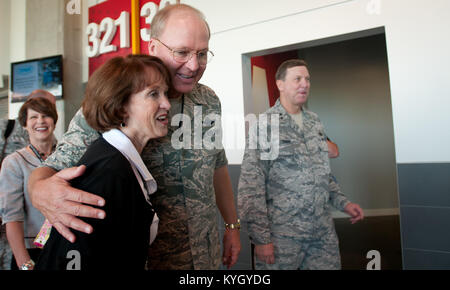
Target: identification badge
43 235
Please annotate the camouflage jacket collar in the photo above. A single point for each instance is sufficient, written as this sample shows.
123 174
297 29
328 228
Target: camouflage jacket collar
196 96
286 119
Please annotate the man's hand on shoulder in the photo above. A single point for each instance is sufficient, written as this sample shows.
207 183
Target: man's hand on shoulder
52 194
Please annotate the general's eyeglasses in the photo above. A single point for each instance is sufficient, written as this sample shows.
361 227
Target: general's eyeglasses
183 56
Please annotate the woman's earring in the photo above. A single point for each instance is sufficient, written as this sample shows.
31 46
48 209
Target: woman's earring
123 125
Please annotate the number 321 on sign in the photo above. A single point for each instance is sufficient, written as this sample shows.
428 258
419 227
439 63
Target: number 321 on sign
100 36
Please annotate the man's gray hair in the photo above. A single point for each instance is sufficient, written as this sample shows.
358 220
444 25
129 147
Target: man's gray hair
160 19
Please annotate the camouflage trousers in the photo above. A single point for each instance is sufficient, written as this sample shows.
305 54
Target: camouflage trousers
171 249
304 254
5 251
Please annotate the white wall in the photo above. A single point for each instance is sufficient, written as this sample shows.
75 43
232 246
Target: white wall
17 34
17 42
44 28
5 8
417 44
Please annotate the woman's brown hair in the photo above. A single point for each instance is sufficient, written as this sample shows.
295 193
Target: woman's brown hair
110 87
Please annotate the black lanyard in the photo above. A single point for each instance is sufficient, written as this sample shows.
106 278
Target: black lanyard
182 111
36 152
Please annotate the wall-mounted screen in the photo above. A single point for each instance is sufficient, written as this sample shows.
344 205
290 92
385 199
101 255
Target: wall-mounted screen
43 73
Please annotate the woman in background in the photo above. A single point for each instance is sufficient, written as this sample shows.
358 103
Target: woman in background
38 116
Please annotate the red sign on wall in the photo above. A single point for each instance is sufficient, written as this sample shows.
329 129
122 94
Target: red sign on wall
111 31
148 9
104 41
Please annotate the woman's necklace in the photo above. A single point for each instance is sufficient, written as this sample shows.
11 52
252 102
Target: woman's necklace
40 155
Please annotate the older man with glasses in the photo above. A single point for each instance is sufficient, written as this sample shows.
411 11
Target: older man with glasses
191 182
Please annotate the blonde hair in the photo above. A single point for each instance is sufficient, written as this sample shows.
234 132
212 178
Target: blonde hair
159 21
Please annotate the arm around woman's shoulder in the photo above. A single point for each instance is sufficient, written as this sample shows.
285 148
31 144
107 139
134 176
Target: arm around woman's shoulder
73 144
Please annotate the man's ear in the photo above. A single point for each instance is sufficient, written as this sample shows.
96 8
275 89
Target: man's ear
280 85
151 47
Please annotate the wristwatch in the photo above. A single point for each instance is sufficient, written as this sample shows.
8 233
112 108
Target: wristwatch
29 265
236 225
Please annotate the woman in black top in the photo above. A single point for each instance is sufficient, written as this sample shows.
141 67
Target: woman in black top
127 99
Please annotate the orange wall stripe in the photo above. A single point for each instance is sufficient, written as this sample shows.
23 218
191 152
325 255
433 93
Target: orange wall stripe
135 32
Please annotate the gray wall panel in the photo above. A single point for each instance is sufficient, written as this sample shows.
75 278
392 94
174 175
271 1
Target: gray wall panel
425 260
424 184
424 191
425 228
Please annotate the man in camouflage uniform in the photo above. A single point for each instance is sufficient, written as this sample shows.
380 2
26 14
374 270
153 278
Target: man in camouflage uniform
17 139
191 181
285 198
